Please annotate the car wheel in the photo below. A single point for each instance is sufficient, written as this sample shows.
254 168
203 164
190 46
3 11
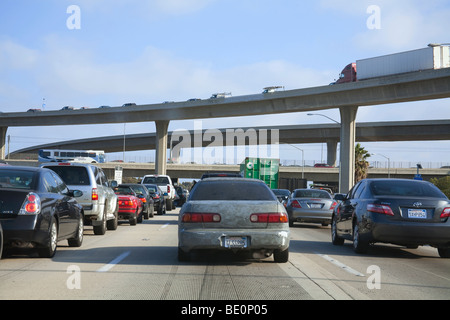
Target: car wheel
444 252
359 246
78 240
139 216
152 211
169 204
133 219
101 229
49 249
281 256
112 224
335 239
1 241
162 208
183 256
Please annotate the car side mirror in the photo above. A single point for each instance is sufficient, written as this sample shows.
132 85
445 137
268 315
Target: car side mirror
77 193
340 196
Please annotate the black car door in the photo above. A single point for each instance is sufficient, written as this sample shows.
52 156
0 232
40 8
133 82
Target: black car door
68 210
347 209
55 202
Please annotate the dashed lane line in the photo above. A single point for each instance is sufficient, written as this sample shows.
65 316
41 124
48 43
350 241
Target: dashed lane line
110 265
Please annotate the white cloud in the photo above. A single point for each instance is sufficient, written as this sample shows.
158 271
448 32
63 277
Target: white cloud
145 7
15 56
182 6
74 76
405 24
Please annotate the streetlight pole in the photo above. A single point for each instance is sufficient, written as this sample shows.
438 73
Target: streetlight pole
319 114
322 115
303 159
389 162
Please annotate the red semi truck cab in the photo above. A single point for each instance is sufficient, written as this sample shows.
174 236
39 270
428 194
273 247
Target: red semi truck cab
348 74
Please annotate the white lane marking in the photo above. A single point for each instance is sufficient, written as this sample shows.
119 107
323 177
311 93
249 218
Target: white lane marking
341 265
110 265
164 226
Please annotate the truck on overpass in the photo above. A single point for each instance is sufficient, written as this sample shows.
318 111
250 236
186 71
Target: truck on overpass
433 57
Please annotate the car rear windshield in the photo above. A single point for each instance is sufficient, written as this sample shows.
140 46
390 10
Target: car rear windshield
281 192
312 193
124 190
152 188
231 190
158 180
17 179
407 188
72 175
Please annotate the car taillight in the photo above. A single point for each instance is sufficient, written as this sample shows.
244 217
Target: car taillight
445 213
380 208
333 205
198 217
31 205
94 194
156 196
125 203
296 204
168 188
269 217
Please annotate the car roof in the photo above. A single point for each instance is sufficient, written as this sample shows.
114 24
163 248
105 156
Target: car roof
23 168
229 179
66 164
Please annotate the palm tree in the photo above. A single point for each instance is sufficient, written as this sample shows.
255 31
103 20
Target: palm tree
361 164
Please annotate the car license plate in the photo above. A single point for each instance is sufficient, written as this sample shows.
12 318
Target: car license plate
315 205
235 242
417 213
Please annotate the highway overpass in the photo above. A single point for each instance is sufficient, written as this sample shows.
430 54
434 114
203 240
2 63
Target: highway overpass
195 171
431 130
348 97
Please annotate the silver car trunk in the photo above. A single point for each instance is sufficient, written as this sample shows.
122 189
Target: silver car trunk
234 214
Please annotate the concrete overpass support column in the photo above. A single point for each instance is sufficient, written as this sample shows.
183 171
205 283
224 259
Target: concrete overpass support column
331 152
3 141
347 149
161 146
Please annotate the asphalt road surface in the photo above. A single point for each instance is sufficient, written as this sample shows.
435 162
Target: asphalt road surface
140 263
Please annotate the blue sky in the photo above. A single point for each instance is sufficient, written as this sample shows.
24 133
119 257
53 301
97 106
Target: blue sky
149 51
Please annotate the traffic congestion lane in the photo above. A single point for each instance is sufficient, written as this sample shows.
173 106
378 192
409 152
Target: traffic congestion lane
385 272
140 262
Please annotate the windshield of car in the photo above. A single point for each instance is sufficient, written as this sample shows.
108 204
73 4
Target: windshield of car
139 189
71 175
410 188
123 190
159 180
231 190
281 192
312 193
152 188
17 179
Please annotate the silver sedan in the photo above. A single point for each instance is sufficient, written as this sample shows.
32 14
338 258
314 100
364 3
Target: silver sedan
233 214
310 205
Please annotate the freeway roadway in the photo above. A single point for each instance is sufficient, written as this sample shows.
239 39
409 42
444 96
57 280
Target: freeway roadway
140 263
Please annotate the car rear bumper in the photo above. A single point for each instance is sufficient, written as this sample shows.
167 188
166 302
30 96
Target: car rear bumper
318 216
25 231
127 213
407 233
194 239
